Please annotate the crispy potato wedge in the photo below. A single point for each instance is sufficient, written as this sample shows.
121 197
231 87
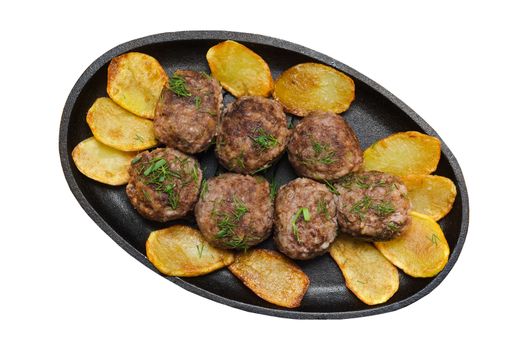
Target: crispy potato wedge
368 274
182 251
102 163
135 81
118 128
309 87
271 276
421 250
240 71
403 153
431 195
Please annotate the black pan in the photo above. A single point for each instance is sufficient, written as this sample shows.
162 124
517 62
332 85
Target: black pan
374 114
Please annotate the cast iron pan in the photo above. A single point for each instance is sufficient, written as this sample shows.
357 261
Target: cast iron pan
374 114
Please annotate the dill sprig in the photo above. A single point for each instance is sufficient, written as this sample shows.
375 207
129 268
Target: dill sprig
197 102
264 140
274 188
306 216
204 188
331 187
200 248
229 221
322 208
392 226
361 206
178 85
384 208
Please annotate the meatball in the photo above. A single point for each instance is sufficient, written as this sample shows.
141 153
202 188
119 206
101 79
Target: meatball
164 184
235 211
305 219
187 119
253 133
324 147
372 206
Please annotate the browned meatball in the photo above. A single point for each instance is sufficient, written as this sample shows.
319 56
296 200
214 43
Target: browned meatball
305 219
372 206
235 211
164 184
253 132
324 147
187 120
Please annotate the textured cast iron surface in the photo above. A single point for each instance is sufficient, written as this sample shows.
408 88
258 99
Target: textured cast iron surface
374 114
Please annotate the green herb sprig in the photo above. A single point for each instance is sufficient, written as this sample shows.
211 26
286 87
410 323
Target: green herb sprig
306 216
178 85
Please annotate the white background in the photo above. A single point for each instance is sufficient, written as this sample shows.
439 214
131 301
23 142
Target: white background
66 285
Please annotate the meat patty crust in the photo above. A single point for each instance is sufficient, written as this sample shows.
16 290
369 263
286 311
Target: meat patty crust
305 219
372 206
164 184
235 211
324 147
253 132
187 119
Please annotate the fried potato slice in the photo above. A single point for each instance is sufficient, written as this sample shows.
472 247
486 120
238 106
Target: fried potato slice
403 153
271 276
102 163
135 81
118 128
240 71
182 251
368 274
431 195
421 250
309 87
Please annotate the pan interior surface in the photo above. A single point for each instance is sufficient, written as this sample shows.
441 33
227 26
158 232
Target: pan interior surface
374 114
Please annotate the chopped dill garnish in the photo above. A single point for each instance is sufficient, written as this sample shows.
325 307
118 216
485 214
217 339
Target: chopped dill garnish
274 187
434 239
228 222
361 282
211 113
178 85
146 195
139 138
204 188
200 248
239 161
264 140
361 206
205 75
197 102
331 187
322 208
322 154
384 208
306 217
173 197
195 174
392 226
135 160
238 243
261 169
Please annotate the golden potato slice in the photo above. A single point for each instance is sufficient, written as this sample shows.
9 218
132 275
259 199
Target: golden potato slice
368 274
421 250
403 153
309 87
182 251
118 128
271 276
431 195
135 81
240 71
102 163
